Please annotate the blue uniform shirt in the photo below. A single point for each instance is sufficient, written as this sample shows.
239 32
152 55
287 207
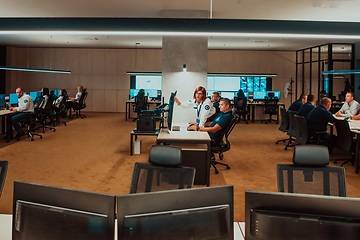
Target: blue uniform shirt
223 120
305 109
295 106
318 119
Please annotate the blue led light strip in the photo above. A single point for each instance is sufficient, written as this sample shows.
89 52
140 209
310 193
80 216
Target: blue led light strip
355 71
33 69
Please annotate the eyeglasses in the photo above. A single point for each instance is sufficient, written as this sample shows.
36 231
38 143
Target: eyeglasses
199 93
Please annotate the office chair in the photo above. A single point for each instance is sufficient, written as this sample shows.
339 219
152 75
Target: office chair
292 128
309 174
45 113
240 105
271 108
140 104
61 110
224 144
163 172
3 170
345 140
77 106
284 126
30 124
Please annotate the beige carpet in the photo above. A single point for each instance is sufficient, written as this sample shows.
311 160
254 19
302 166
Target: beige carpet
93 154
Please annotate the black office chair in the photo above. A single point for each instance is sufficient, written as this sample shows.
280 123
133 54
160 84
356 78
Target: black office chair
140 104
43 113
78 106
3 170
309 173
240 105
163 172
284 126
224 144
60 111
345 140
30 123
292 128
271 108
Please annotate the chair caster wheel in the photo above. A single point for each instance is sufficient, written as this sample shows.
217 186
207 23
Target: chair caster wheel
54 130
216 172
32 139
276 143
227 167
43 131
285 148
247 122
265 122
64 124
40 137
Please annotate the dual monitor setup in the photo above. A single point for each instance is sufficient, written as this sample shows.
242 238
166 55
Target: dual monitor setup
256 96
45 212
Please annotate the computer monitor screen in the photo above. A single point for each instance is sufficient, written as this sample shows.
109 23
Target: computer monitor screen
171 109
153 93
57 92
34 95
134 92
229 95
259 95
276 94
13 98
300 216
44 212
197 213
2 100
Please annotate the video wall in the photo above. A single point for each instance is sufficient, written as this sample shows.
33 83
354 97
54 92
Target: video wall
151 85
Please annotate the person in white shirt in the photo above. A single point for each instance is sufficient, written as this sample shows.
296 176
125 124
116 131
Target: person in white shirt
45 94
80 90
350 107
25 107
201 104
59 99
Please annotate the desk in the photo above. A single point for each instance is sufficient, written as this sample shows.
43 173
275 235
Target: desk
252 105
135 133
128 105
6 228
189 137
6 118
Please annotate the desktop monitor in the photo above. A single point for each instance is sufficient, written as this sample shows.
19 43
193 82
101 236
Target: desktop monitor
44 212
56 92
195 213
259 95
34 95
171 109
283 216
13 98
134 92
276 94
153 93
2 100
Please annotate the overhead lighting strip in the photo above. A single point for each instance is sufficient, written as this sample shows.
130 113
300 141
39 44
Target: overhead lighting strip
242 75
159 33
33 69
145 73
333 72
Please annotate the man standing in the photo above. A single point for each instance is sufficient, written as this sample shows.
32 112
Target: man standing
295 106
26 106
350 107
317 121
306 108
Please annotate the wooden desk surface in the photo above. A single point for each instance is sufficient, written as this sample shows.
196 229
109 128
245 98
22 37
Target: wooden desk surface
6 112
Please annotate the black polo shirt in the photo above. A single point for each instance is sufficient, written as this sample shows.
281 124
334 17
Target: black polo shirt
318 119
305 109
223 120
295 106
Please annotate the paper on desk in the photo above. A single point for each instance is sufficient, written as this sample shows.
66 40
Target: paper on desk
354 128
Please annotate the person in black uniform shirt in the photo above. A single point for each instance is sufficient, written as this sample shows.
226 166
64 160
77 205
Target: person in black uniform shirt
306 108
317 121
295 106
217 127
215 101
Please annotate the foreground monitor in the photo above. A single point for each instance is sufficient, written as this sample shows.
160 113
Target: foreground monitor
43 212
171 109
284 216
197 214
2 100
13 98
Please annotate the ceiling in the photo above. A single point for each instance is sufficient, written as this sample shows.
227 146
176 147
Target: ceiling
342 11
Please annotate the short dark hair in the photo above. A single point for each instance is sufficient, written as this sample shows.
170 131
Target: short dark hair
310 98
324 101
226 100
302 96
352 94
216 93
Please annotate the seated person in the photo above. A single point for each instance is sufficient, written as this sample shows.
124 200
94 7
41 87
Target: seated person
219 125
295 106
45 94
306 108
80 90
317 121
215 101
60 98
350 107
26 106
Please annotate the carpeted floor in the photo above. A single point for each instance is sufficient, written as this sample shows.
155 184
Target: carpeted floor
93 154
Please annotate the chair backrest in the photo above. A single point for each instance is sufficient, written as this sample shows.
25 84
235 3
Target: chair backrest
240 105
82 100
344 137
163 172
224 138
302 133
140 103
292 127
284 126
3 170
271 105
309 173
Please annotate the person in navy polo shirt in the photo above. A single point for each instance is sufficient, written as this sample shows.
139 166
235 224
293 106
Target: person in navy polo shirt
306 108
217 127
295 106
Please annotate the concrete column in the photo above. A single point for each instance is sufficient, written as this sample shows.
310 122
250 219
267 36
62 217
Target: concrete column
176 51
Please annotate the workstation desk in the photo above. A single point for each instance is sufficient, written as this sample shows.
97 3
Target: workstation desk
251 108
6 125
6 228
196 150
132 102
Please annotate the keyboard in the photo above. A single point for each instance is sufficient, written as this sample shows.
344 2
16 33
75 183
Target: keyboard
176 128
